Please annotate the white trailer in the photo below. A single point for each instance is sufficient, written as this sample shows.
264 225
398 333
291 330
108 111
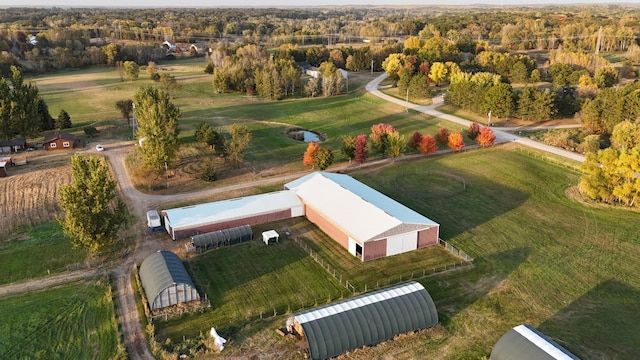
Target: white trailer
153 220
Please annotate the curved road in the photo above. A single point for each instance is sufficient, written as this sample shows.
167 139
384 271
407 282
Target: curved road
502 136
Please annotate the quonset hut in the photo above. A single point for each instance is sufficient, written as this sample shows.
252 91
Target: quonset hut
165 281
333 329
524 342
219 238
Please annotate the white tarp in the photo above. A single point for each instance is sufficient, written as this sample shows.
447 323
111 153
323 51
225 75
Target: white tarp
219 341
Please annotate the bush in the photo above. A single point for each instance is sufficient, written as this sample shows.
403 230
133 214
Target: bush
208 173
90 131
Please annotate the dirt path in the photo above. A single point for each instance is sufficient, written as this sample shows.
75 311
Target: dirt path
49 281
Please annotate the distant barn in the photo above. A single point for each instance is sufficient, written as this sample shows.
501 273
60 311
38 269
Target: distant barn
365 320
524 342
165 281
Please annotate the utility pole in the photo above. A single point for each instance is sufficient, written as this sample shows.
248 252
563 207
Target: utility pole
166 171
372 67
489 122
133 124
407 101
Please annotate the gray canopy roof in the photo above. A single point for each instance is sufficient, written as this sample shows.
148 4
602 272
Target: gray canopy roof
161 271
368 319
524 342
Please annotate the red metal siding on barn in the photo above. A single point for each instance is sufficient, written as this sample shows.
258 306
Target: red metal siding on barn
375 249
328 228
428 237
251 220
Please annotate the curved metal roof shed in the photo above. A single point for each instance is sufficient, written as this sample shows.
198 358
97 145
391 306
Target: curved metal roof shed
524 342
165 281
368 319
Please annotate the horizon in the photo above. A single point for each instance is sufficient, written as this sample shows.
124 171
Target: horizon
225 4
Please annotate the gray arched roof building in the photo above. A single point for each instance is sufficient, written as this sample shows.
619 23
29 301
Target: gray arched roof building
368 319
524 342
166 281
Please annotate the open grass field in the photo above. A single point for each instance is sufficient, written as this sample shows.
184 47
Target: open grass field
541 258
250 279
39 251
71 322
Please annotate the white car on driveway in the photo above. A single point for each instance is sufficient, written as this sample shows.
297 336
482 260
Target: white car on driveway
99 147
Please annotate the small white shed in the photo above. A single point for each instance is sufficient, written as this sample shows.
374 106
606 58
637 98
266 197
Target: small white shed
270 236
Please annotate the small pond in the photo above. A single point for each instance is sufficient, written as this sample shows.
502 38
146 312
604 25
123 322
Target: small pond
304 135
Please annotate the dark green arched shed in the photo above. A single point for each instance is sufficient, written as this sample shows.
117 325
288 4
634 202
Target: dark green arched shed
368 319
166 281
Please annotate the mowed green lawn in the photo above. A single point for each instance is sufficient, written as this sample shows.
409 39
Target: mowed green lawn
36 252
75 321
249 279
541 258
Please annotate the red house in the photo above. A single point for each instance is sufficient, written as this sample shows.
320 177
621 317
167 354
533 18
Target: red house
59 140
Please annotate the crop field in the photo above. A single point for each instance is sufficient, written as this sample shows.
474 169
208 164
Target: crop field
29 193
39 251
71 322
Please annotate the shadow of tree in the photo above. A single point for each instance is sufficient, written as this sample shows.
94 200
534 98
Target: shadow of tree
607 316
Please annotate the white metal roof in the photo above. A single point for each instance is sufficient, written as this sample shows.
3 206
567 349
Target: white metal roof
3 163
542 343
211 213
359 210
359 302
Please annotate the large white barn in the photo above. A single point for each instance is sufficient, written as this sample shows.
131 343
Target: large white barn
364 221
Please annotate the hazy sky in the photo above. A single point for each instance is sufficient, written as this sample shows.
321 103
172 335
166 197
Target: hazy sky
266 3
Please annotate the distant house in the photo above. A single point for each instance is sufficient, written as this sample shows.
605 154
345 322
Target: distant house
13 145
4 164
59 140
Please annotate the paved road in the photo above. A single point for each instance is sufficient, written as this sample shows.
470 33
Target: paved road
501 134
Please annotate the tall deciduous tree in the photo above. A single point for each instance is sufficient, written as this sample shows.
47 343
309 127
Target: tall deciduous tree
361 151
157 120
438 72
130 70
455 141
611 176
93 212
240 139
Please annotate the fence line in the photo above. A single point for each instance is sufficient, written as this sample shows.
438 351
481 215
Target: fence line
415 275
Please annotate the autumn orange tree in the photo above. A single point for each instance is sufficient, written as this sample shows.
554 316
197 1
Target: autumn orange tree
427 144
310 153
455 141
486 137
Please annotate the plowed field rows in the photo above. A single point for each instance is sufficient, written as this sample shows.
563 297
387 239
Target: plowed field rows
30 197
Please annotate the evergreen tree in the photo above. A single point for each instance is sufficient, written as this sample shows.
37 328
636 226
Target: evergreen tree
63 121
